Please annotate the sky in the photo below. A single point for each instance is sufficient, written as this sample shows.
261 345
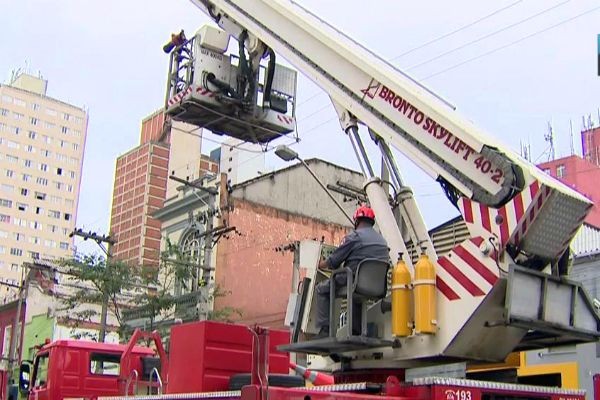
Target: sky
512 67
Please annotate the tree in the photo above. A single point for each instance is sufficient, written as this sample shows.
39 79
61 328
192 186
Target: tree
149 292
96 278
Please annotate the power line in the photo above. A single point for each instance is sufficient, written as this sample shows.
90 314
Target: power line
462 28
479 39
511 43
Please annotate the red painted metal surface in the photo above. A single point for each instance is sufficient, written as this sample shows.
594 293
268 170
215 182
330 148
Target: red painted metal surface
596 387
203 355
69 371
393 389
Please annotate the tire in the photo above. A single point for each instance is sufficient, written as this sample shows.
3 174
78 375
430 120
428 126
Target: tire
237 381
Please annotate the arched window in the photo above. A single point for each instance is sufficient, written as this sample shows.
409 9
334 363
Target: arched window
192 249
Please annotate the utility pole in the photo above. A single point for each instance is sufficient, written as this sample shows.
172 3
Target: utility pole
100 240
15 331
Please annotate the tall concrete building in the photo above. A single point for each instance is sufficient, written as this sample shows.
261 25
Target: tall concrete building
42 141
240 160
141 186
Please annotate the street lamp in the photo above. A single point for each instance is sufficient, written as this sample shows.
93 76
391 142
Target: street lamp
287 154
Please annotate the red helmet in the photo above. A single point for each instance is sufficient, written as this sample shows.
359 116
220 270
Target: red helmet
364 212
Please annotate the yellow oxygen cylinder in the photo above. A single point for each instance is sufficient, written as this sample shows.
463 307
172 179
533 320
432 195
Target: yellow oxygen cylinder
425 296
401 300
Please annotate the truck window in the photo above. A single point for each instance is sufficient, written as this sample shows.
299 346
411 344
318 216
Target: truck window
40 370
105 364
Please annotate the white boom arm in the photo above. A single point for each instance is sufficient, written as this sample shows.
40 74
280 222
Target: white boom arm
516 214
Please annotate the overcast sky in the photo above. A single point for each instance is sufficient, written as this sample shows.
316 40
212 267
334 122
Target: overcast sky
531 62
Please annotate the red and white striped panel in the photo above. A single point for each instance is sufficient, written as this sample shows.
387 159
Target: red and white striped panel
466 272
204 92
285 119
505 222
532 213
179 96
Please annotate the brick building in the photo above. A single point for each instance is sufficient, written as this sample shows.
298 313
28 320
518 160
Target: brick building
581 173
263 214
141 185
139 190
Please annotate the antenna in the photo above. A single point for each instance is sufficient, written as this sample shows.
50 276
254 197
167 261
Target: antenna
549 138
571 134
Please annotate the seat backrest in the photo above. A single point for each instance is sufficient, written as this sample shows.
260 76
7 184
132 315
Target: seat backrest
370 279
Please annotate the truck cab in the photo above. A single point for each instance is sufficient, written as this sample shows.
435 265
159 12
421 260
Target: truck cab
83 369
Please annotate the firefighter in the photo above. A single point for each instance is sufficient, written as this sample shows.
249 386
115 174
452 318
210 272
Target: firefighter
364 242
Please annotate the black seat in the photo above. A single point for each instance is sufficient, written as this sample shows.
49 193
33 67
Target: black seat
368 283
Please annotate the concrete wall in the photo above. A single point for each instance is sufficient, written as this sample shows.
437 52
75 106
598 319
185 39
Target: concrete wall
296 191
184 156
257 277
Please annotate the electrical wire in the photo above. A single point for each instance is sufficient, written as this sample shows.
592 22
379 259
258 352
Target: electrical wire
462 28
511 43
486 36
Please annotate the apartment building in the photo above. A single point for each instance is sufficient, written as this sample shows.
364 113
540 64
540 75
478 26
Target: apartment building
42 141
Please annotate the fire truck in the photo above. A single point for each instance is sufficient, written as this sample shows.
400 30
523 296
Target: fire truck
501 290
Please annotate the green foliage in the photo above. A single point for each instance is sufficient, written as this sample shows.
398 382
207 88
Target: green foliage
97 279
141 291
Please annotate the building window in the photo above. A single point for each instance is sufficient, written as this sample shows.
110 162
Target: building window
10 173
28 163
30 149
7 188
6 203
34 121
32 135
19 237
51 112
5 218
34 240
35 107
66 116
42 181
59 171
12 159
18 116
24 192
16 252
26 177
12 145
46 153
40 196
47 139
72 174
20 222
22 207
67 217
34 255
39 210
44 167
560 171
3 112
54 214
19 102
192 246
64 246
64 129
36 225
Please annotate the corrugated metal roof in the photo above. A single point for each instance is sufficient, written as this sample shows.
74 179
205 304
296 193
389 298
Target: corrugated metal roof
586 241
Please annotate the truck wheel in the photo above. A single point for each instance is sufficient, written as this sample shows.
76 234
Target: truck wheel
237 381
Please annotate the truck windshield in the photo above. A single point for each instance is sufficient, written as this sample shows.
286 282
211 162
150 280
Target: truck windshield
40 370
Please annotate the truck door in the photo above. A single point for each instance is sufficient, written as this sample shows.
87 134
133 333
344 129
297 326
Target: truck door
39 389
